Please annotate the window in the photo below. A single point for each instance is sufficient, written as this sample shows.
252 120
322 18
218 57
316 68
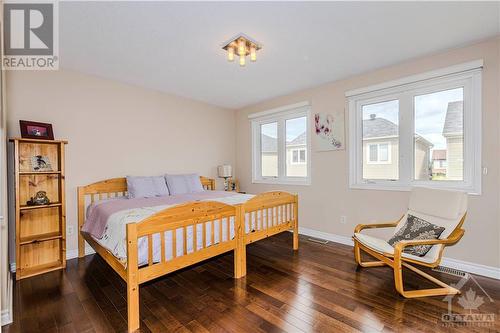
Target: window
422 130
280 141
378 153
298 156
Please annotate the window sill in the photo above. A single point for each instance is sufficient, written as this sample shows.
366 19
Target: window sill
305 182
406 188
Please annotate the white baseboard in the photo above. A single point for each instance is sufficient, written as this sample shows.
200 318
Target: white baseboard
488 271
5 318
70 254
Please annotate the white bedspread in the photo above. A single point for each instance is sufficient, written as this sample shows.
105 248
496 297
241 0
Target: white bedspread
114 238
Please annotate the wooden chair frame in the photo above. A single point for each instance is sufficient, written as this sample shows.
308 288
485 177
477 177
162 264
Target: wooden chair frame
396 261
192 215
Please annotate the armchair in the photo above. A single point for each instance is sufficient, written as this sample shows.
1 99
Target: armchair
440 207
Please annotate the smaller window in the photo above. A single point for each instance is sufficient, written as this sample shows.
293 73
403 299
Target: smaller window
379 153
298 156
280 145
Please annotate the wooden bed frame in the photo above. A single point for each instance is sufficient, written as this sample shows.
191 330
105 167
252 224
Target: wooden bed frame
281 215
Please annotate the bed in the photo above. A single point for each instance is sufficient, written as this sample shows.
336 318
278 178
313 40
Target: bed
144 243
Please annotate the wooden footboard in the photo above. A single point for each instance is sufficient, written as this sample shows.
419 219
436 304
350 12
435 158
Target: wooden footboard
212 219
270 213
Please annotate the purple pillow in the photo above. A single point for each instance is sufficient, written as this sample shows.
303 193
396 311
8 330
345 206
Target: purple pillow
182 184
146 187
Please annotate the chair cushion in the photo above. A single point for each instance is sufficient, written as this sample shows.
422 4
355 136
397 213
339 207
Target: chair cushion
416 228
381 246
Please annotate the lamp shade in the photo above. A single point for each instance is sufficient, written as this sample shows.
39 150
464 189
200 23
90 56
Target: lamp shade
225 170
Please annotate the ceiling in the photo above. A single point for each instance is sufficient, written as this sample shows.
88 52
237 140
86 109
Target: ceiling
176 47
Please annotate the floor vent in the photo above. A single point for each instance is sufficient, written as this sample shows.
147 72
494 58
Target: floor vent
316 240
451 271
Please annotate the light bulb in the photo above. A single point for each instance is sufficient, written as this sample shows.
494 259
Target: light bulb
242 60
253 54
241 46
230 53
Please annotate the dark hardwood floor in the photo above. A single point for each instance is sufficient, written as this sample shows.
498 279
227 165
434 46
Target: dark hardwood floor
317 289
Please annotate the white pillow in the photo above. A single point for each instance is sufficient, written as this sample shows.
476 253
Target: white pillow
182 184
146 187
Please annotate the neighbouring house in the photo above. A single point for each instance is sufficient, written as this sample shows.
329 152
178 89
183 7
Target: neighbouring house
296 156
381 150
269 157
453 131
438 161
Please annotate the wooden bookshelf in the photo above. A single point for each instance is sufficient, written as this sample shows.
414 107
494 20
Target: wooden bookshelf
40 230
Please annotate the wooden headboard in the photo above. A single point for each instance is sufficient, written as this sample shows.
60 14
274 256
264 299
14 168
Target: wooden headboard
117 185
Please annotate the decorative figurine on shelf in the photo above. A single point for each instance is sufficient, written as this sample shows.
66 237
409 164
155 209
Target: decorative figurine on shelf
225 171
39 199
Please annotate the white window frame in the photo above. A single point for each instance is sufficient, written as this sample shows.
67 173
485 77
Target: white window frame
468 76
280 115
378 161
298 150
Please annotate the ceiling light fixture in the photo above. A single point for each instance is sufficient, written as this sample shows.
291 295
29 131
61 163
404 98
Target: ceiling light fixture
243 46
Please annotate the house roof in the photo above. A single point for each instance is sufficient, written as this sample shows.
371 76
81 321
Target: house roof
378 127
454 122
381 127
299 140
439 154
269 144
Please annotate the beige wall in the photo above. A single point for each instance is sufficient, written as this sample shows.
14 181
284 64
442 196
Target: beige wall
328 197
116 129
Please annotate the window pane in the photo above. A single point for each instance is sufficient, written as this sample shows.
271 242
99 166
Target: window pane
381 129
373 153
295 130
439 135
269 149
302 156
383 151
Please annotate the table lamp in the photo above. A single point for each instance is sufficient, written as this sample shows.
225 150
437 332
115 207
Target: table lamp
225 171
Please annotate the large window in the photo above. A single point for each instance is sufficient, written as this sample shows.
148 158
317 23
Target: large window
280 144
422 130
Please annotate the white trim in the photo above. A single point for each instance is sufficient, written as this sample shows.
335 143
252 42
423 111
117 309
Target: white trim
6 318
289 112
279 109
72 254
479 269
471 65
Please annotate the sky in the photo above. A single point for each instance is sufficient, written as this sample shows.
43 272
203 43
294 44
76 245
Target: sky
294 128
430 113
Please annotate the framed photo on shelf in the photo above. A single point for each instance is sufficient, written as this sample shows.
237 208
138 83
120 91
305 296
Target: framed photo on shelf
35 130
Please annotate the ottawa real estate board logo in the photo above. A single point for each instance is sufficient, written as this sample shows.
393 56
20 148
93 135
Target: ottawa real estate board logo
31 35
